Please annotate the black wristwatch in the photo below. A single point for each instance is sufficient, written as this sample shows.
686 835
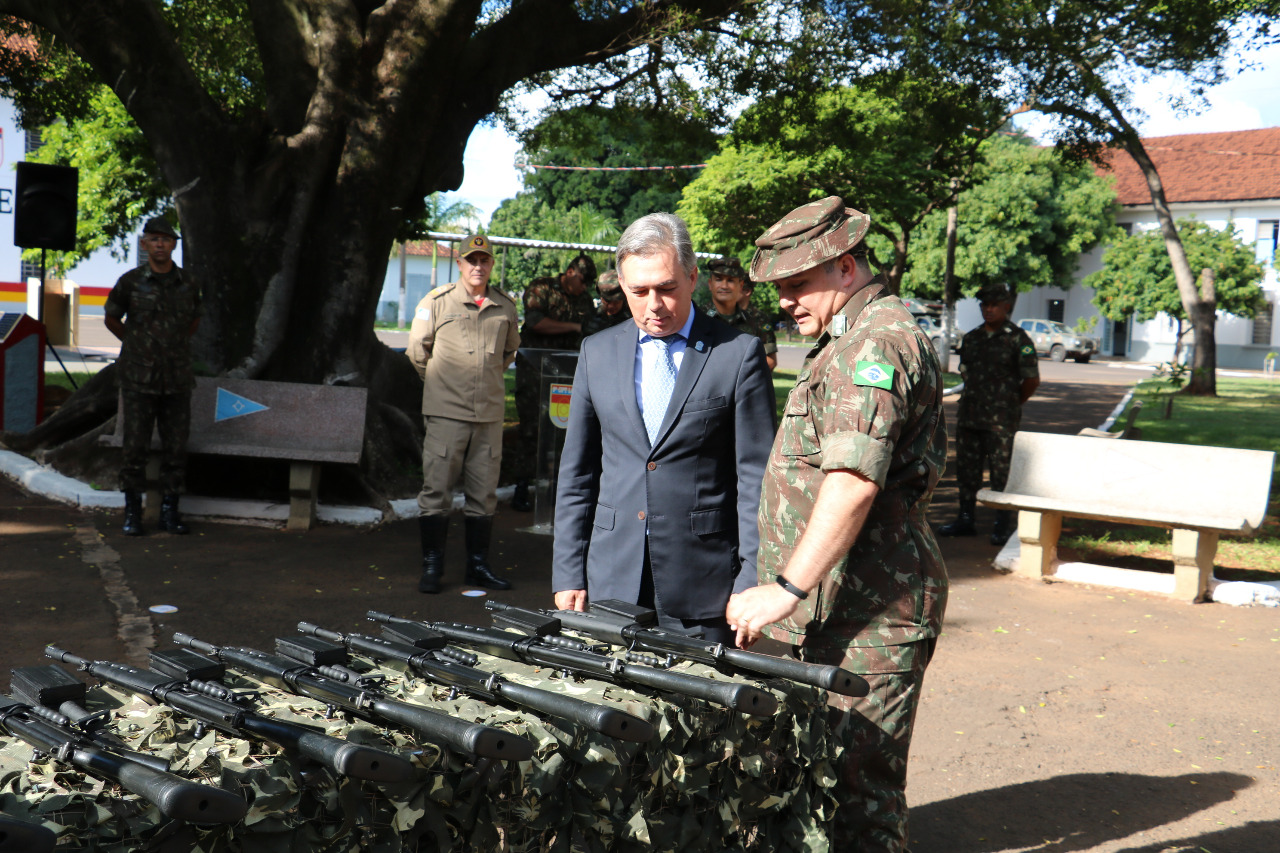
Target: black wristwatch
792 588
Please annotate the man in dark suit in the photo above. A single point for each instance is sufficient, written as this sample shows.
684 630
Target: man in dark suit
670 425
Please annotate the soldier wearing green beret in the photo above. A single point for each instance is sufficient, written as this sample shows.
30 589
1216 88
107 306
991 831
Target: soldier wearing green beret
849 571
1000 370
730 291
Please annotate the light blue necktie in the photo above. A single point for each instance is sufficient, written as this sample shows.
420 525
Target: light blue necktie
658 386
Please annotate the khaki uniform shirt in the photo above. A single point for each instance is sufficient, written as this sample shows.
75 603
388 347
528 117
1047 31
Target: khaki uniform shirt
158 312
460 350
867 400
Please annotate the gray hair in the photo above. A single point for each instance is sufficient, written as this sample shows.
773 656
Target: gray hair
650 235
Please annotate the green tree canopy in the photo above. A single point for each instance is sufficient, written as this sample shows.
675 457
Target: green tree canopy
1023 223
891 149
1137 278
526 217
604 138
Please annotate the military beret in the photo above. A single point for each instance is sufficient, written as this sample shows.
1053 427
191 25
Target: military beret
807 236
159 225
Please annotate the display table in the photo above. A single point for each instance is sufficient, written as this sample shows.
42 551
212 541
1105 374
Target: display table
712 779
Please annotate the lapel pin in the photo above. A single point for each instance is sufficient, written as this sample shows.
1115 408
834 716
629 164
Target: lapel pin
698 346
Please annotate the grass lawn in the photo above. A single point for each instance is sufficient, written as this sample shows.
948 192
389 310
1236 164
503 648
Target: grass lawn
59 378
1245 414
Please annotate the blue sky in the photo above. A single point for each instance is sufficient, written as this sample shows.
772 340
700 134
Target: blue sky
1250 99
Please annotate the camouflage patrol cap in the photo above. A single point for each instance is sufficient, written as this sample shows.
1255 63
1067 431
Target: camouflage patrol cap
995 293
807 236
608 285
727 267
475 243
159 225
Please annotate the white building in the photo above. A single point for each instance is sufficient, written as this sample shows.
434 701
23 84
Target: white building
1217 178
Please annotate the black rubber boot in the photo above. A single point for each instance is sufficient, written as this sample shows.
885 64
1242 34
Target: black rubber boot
170 519
962 526
133 514
1003 528
479 531
520 498
433 530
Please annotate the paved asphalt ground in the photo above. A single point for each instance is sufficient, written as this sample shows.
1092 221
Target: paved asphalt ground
1056 717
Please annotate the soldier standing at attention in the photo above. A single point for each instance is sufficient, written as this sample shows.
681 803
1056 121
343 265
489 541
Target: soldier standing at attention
463 337
849 571
729 295
1000 370
154 310
555 310
613 308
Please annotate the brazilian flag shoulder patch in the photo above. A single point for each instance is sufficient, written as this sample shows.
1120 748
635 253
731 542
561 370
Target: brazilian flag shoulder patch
873 374
1028 350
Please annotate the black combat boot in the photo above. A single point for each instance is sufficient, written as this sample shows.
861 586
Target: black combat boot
170 519
520 497
1003 528
479 531
963 525
433 530
132 514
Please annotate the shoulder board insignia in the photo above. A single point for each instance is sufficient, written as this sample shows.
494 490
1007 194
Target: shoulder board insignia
873 375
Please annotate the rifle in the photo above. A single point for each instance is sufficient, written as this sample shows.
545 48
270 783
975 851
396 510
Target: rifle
574 656
177 798
49 687
196 694
635 628
456 669
19 836
365 701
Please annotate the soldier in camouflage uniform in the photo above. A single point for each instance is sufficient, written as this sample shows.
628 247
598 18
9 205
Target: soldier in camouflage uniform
728 285
154 310
998 363
850 573
555 310
613 308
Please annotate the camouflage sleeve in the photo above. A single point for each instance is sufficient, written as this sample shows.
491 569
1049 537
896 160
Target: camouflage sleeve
1028 362
867 386
117 304
768 338
536 302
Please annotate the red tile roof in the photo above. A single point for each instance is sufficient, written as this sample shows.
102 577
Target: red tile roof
1241 165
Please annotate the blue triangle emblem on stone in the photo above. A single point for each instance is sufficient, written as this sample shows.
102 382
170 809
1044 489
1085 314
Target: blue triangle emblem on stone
230 406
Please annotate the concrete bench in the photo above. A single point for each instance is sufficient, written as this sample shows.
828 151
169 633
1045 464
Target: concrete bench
1198 492
305 424
1127 431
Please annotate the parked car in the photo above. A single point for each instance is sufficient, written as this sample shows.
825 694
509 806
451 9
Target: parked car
1059 342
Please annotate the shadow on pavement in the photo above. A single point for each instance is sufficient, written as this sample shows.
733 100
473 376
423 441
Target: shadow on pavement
1251 838
1077 812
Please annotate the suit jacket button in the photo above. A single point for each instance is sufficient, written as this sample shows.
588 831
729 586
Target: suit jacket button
653 466
640 515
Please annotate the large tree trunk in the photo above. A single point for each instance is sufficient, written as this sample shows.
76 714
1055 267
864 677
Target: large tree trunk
1198 302
289 214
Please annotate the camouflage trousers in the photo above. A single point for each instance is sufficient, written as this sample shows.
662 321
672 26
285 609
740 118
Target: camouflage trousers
874 733
170 414
977 449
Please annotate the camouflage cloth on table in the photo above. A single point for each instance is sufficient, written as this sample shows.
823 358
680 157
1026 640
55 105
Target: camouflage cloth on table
712 779
868 400
993 365
543 298
750 321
